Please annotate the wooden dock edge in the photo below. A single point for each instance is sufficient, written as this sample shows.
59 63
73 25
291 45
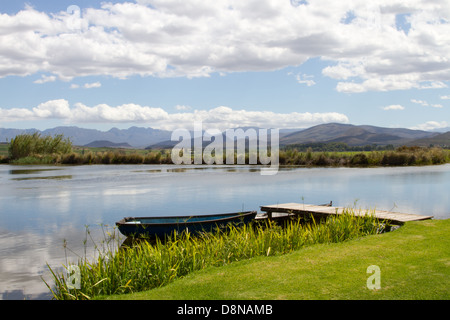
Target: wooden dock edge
303 209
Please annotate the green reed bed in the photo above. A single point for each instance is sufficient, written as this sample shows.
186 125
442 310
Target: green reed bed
146 265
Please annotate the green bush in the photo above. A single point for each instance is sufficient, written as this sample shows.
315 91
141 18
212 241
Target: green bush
26 145
359 159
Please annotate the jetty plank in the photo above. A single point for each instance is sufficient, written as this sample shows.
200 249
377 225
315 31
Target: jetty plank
301 209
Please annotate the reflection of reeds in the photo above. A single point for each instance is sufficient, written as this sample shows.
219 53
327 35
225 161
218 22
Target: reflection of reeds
146 265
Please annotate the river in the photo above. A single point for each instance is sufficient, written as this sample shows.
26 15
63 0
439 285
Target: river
44 207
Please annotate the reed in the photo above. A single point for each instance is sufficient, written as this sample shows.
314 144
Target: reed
35 144
402 156
146 265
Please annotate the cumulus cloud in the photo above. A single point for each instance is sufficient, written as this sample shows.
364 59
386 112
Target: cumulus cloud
305 79
216 118
366 48
92 85
394 107
45 79
426 104
421 102
182 108
431 125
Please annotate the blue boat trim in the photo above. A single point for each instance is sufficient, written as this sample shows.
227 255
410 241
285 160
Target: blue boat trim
163 226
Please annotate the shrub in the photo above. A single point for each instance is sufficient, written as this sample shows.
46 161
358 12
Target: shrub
359 159
26 145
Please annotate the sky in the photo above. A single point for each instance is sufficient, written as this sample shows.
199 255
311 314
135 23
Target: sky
167 64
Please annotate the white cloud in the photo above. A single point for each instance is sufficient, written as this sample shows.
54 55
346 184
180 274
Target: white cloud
445 97
193 38
54 109
182 108
426 104
394 107
305 79
45 79
431 125
124 113
92 85
86 85
220 117
422 102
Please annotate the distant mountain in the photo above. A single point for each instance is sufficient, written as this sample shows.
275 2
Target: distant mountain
441 130
170 144
442 140
107 144
354 135
135 136
7 134
138 137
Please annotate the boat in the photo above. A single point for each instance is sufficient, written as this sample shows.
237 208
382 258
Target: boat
152 227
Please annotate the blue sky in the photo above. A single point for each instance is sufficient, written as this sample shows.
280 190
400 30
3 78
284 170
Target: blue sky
227 63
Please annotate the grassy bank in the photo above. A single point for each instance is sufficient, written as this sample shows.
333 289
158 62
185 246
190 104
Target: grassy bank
152 265
414 263
402 156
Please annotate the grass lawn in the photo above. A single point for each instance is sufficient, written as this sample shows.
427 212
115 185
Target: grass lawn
414 263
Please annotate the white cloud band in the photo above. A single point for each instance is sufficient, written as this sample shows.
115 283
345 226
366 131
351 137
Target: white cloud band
221 117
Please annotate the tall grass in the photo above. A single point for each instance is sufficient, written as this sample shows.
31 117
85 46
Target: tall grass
402 156
26 145
146 265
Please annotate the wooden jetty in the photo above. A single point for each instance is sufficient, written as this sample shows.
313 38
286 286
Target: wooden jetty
321 211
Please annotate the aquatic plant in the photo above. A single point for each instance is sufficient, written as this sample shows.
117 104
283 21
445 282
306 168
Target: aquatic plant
26 145
150 264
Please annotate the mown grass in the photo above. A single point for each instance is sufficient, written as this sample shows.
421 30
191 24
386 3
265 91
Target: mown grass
414 264
152 265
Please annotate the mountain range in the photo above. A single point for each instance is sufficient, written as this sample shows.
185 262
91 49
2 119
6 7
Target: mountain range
139 137
135 137
356 135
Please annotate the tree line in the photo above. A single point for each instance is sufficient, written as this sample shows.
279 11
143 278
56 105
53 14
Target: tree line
37 149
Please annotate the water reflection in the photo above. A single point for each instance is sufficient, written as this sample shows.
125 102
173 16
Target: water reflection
38 214
25 255
30 171
44 178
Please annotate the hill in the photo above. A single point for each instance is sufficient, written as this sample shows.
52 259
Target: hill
107 144
135 136
355 135
442 140
352 135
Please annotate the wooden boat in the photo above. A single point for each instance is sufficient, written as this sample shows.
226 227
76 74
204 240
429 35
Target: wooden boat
151 227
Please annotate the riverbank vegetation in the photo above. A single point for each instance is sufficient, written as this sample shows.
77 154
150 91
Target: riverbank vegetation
147 265
26 148
401 156
413 262
36 149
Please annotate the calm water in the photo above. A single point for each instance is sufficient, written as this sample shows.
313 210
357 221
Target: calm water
41 207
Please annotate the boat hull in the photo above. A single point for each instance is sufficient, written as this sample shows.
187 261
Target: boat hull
152 227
